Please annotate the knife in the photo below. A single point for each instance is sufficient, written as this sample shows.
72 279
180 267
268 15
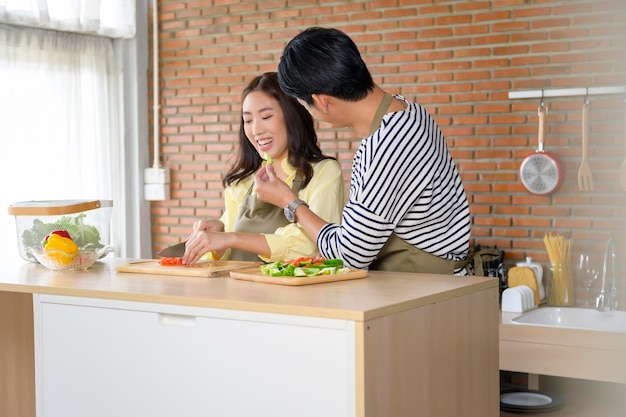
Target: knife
174 251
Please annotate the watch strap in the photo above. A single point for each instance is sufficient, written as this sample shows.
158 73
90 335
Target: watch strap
290 210
295 204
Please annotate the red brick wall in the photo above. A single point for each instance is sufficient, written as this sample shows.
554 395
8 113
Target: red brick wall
460 59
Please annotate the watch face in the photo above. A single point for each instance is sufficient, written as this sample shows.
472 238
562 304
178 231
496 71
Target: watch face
289 215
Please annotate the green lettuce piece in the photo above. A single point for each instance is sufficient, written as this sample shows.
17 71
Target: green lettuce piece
83 234
287 269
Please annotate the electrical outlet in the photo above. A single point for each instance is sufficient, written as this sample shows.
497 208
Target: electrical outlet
156 192
156 175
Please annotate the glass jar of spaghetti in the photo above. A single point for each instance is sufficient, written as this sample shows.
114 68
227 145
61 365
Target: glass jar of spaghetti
562 290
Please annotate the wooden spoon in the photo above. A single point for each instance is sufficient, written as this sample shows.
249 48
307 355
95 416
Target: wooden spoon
585 178
622 170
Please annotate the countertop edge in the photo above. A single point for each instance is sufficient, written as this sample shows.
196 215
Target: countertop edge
378 299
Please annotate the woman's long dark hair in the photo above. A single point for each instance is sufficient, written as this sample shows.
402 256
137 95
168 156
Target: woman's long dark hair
302 144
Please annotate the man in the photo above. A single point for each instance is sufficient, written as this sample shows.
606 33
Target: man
407 209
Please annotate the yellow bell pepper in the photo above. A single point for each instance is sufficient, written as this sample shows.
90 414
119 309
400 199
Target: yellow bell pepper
66 246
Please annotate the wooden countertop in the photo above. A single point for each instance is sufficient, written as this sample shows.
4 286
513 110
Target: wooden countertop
380 294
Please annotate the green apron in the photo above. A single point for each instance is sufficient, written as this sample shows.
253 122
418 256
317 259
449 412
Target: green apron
256 216
400 256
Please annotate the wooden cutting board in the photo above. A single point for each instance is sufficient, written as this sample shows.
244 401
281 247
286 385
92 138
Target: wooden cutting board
202 269
254 274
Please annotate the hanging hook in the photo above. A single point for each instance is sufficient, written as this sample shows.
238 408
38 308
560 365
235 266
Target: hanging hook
542 107
586 99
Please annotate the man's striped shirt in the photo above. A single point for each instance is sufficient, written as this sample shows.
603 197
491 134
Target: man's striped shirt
404 181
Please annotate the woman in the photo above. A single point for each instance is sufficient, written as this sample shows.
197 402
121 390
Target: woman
276 127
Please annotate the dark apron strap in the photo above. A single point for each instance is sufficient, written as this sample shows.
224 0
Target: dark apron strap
482 256
380 112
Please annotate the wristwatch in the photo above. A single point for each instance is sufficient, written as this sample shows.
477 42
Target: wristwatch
290 210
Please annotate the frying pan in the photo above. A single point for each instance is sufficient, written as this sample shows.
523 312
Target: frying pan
541 172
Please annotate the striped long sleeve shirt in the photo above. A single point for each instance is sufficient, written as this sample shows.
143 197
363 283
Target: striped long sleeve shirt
403 181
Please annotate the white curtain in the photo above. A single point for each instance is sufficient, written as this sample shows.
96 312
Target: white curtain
59 122
111 18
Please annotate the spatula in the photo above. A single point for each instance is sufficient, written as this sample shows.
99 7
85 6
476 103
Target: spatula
585 178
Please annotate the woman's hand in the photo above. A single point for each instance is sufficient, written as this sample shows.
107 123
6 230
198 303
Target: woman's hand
208 225
271 189
201 242
205 237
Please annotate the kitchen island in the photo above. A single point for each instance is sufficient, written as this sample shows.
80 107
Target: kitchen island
103 343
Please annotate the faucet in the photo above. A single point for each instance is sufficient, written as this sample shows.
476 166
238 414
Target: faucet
612 296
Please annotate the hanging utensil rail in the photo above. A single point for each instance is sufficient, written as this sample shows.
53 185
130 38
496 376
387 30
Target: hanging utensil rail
567 92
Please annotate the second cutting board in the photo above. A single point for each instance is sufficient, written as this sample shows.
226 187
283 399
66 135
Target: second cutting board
254 274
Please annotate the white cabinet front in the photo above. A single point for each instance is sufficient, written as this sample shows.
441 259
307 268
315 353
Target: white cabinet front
100 358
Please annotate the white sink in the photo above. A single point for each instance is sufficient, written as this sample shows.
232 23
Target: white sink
575 318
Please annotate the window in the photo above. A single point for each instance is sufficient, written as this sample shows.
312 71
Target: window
73 118
56 118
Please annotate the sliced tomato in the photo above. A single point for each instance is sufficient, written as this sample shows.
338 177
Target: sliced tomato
171 261
303 260
318 261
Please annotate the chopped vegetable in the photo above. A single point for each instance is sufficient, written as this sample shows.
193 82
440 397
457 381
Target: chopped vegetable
268 158
304 267
171 261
